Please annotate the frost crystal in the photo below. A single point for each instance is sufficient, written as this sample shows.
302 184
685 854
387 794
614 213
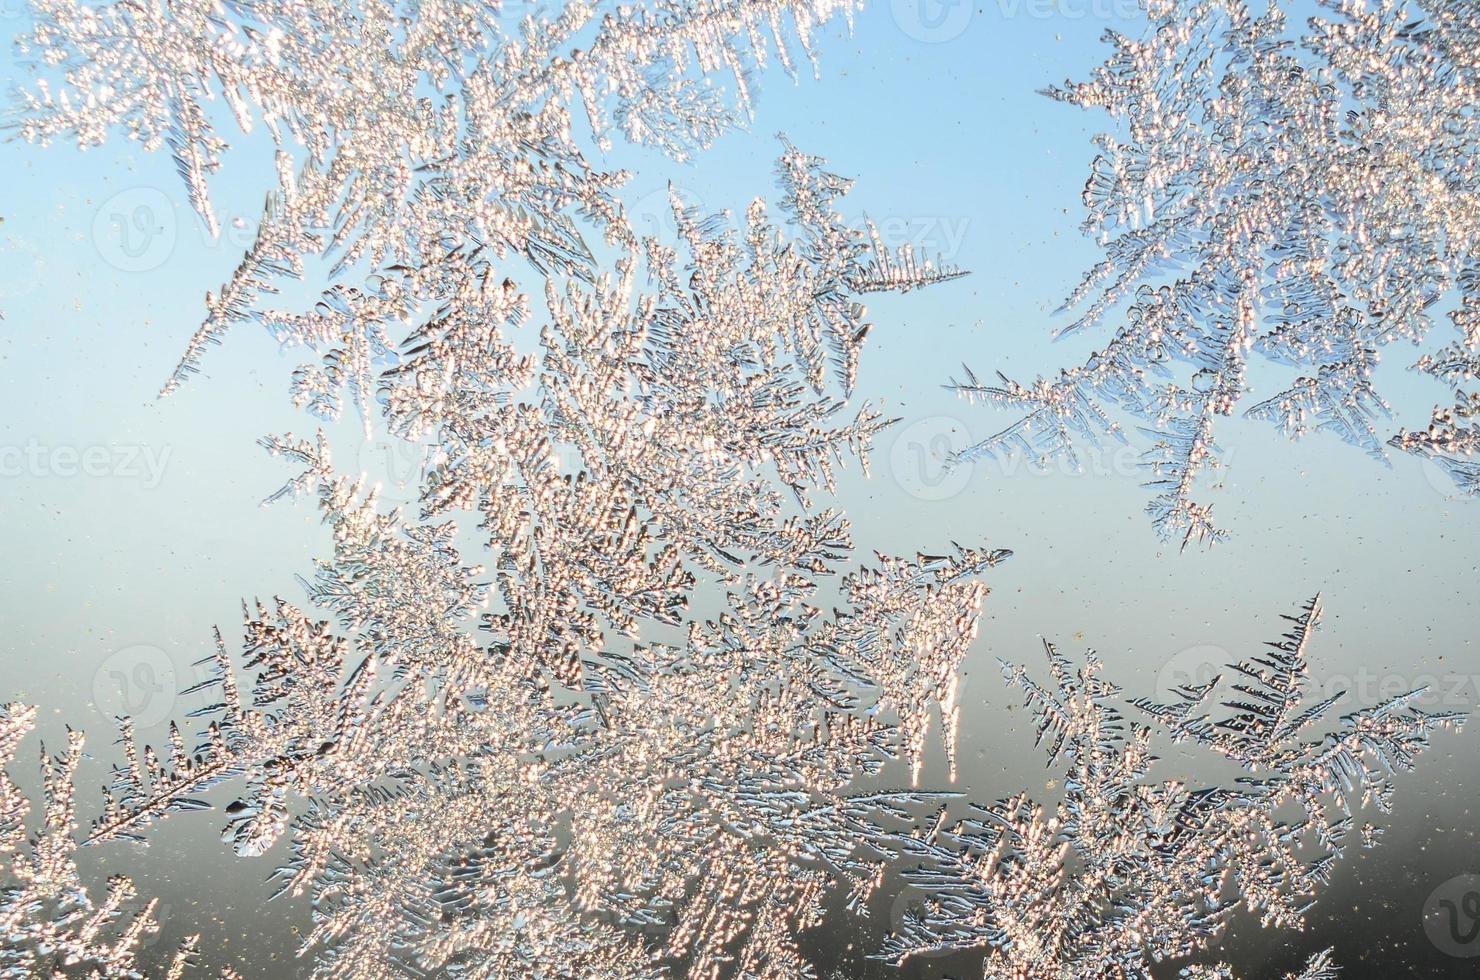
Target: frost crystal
462 812
1307 199
1128 869
49 922
548 766
405 129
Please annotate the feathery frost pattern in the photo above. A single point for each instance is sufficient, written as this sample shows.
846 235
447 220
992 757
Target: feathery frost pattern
544 764
1129 869
1305 200
51 925
405 129
547 823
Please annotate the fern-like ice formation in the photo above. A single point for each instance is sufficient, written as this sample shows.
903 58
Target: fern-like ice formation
1302 198
549 766
50 924
451 808
1129 869
559 782
410 135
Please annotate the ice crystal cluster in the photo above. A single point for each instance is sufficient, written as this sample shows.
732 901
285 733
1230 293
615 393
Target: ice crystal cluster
1298 198
1128 868
546 765
50 924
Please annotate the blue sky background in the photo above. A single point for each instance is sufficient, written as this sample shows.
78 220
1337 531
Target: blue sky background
122 561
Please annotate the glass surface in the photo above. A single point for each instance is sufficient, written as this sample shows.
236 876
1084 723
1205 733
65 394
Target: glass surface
133 525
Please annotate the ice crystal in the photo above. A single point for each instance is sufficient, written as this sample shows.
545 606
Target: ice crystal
405 129
527 799
1304 198
461 813
1319 967
1129 869
51 925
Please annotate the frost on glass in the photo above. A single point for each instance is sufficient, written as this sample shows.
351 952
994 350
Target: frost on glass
1301 198
506 745
545 763
50 924
407 131
1129 868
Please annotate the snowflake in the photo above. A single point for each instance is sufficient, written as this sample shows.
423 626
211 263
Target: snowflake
526 800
